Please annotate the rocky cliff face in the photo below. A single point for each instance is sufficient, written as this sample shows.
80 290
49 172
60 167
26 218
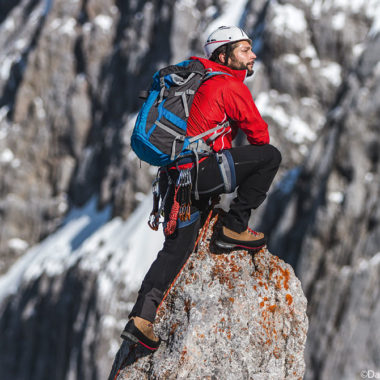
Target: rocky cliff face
71 72
64 304
228 316
67 89
69 75
335 204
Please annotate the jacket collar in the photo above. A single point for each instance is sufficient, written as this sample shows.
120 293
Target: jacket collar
213 66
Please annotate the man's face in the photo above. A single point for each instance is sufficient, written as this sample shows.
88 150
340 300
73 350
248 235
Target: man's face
242 58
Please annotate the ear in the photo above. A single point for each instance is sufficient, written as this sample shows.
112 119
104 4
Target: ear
222 57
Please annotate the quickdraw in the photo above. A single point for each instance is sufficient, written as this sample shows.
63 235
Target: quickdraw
185 184
154 217
172 222
181 202
157 210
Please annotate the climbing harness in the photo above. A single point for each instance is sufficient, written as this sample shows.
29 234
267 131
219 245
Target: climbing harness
181 187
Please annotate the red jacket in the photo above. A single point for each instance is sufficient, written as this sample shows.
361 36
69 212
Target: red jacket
226 97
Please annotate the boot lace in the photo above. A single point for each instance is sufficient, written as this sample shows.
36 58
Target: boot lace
254 233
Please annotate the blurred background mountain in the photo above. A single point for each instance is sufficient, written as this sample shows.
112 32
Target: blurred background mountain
73 238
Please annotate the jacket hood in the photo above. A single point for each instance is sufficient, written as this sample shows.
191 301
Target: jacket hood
213 66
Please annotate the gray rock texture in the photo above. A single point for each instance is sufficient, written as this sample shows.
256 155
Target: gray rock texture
227 316
71 71
329 229
67 91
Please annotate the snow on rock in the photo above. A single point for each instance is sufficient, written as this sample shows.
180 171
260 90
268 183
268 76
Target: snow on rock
228 316
124 250
68 26
6 65
82 278
375 28
295 129
332 71
6 156
104 22
338 21
336 196
292 59
231 15
88 236
288 20
342 8
53 254
17 245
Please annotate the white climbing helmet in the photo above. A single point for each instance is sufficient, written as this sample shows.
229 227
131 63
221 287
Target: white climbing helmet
224 35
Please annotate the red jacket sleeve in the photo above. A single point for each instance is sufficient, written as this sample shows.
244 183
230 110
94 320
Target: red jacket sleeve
241 108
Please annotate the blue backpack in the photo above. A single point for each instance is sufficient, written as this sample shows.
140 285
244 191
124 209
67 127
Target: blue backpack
159 136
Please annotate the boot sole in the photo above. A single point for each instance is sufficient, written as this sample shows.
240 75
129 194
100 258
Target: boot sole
224 245
127 335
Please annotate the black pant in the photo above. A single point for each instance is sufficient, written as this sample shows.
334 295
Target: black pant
255 167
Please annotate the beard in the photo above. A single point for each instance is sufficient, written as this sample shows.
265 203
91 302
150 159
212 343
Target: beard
250 72
238 65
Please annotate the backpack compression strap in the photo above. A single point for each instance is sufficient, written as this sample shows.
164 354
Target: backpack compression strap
183 94
197 145
209 131
195 142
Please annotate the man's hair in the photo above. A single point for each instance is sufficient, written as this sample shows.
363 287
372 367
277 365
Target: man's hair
226 49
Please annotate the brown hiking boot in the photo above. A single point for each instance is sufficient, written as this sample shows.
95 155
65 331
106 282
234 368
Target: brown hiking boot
140 331
248 239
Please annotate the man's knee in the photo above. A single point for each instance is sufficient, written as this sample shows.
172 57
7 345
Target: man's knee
276 155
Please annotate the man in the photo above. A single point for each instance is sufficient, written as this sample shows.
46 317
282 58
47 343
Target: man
250 169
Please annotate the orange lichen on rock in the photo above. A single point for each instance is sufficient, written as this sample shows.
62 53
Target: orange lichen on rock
276 352
289 299
257 324
279 275
173 328
286 278
219 271
183 354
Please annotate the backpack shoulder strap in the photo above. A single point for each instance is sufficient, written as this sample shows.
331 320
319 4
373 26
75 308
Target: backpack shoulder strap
211 74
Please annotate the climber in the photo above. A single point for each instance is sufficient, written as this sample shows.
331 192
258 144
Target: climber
250 169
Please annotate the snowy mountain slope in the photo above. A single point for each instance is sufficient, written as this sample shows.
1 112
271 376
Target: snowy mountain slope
112 255
91 238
